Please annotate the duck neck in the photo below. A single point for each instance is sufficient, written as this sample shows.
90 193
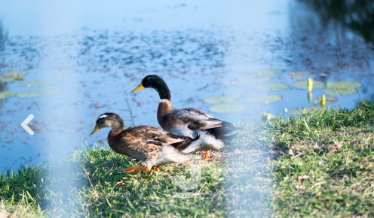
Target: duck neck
118 126
164 109
163 90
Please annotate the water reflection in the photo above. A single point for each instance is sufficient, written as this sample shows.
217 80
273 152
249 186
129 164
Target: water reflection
2 88
358 16
3 36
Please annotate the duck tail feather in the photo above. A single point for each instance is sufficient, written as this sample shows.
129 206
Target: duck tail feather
233 132
195 144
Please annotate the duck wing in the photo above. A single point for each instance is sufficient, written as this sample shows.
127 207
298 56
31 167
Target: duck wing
188 145
196 119
160 137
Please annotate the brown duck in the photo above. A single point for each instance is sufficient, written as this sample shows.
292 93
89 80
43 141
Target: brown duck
146 143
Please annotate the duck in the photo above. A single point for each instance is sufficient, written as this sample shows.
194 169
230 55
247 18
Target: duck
152 146
189 122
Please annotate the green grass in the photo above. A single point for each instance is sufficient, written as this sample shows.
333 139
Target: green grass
317 165
328 166
91 184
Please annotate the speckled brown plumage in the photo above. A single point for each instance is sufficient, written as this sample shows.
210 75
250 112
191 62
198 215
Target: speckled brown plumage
151 145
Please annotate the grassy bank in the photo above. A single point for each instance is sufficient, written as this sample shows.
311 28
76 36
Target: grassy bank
319 164
328 166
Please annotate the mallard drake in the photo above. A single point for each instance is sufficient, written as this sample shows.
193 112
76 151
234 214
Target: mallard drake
189 121
151 145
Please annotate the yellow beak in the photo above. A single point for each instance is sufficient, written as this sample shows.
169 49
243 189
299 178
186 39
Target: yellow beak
97 128
140 87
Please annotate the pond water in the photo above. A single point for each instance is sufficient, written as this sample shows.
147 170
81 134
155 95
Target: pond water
91 55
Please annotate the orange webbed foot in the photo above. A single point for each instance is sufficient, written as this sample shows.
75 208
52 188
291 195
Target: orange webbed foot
136 169
156 169
207 157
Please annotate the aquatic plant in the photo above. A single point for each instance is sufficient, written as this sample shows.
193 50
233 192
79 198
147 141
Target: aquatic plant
323 101
310 84
341 88
6 94
35 83
227 108
304 85
12 76
327 100
271 87
310 97
38 93
263 99
343 85
220 100
255 79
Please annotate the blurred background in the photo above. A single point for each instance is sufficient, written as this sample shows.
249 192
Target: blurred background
67 62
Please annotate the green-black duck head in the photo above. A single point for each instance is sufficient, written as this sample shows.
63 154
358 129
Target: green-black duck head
155 82
108 120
